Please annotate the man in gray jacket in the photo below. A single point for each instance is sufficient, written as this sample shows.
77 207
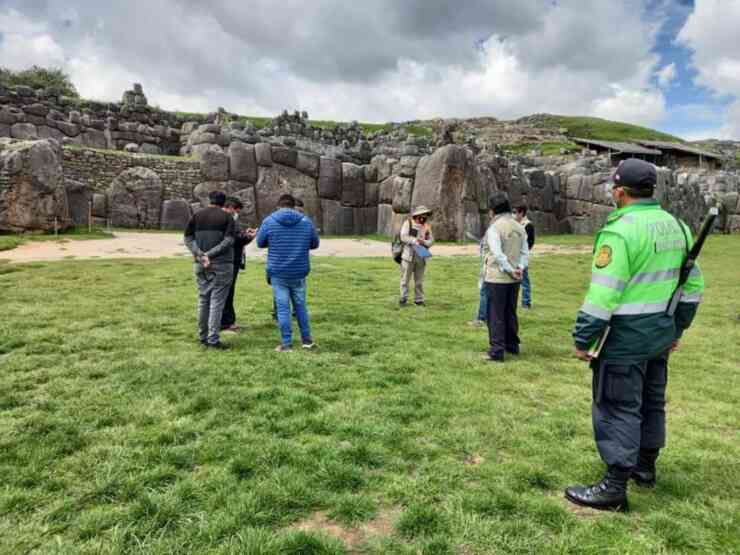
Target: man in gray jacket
210 237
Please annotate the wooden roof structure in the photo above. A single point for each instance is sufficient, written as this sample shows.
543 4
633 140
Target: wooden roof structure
665 145
619 147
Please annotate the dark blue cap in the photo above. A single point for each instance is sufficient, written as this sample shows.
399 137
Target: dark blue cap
635 174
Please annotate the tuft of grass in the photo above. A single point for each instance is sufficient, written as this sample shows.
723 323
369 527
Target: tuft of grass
9 242
547 148
126 154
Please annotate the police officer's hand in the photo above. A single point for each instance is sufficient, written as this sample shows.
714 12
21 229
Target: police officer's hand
582 355
518 274
675 345
205 261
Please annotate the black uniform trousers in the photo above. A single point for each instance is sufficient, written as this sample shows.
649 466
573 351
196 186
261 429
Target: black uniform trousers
628 408
503 324
228 318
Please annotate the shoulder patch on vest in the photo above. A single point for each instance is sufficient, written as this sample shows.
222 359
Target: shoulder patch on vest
603 257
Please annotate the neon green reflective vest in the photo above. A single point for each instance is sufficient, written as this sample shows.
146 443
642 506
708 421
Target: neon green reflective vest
635 270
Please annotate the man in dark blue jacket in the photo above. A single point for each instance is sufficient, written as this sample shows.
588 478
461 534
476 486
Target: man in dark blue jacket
289 235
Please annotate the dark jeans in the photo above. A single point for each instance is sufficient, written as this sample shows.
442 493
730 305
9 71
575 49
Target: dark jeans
628 409
229 315
503 325
482 315
526 289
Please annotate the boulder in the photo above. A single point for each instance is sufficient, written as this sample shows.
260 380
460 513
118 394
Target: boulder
214 164
78 201
330 178
385 190
263 153
175 214
69 129
24 131
402 190
10 115
366 220
408 165
131 147
135 199
276 180
443 180
46 132
149 148
285 156
308 163
32 192
242 162
371 173
248 215
353 184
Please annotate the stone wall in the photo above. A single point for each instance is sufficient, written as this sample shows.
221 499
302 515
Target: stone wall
97 169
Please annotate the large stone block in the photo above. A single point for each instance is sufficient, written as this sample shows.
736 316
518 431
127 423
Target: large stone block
78 201
248 216
353 184
100 205
330 178
443 180
285 156
277 180
408 165
32 195
402 189
367 220
331 217
135 199
263 153
308 163
372 194
175 214
24 131
46 132
214 164
242 162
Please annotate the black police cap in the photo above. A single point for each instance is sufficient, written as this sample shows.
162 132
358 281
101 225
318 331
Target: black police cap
635 174
499 203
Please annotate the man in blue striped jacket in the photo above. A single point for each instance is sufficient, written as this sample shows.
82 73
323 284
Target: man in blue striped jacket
289 235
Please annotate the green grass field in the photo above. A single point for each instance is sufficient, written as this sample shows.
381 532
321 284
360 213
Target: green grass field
119 434
607 130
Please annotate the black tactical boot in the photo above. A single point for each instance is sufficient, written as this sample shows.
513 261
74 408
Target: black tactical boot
644 473
608 495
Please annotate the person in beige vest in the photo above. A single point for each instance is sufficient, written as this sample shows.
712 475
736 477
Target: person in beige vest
415 231
506 256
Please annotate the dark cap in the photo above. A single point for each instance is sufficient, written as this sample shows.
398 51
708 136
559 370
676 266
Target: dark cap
635 174
499 203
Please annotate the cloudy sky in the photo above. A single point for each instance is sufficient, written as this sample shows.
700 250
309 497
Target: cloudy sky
669 64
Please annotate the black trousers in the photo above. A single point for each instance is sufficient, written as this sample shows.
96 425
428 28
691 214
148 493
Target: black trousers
628 409
228 318
503 324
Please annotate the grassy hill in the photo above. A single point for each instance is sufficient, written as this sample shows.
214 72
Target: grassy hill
597 128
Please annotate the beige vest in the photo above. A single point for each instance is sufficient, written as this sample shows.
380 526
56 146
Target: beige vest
513 236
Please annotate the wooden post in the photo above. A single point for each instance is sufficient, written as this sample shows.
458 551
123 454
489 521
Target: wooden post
89 214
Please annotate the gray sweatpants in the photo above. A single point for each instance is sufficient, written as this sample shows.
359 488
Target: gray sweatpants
213 289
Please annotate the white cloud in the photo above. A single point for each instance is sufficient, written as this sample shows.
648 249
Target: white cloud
26 43
666 75
711 34
361 61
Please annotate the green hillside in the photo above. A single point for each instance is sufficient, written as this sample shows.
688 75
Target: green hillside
606 130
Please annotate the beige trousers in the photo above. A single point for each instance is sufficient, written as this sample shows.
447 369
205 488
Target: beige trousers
416 268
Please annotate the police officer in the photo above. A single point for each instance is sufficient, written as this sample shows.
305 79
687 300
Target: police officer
637 257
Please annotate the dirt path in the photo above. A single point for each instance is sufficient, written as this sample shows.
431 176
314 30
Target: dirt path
156 245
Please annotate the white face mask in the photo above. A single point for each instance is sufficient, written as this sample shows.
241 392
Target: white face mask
235 216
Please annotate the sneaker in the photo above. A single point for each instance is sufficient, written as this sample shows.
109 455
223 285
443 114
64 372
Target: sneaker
476 323
283 349
402 302
308 344
218 346
488 358
419 303
233 328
